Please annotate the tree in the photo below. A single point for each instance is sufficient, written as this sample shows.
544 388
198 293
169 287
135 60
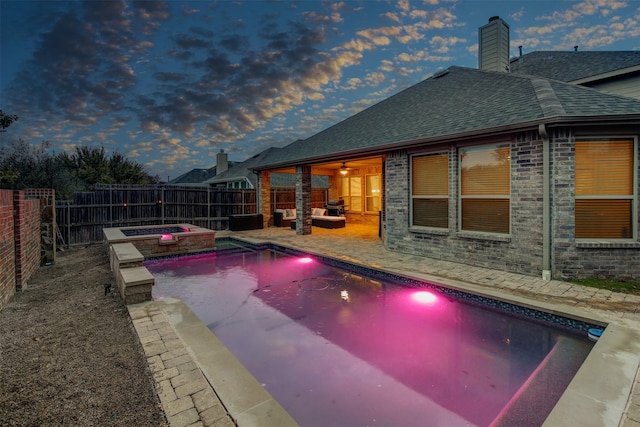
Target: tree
23 165
125 171
7 175
6 120
93 166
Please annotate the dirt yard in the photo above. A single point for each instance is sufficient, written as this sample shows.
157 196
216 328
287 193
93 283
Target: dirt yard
69 355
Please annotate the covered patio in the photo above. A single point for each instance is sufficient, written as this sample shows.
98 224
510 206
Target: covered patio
355 192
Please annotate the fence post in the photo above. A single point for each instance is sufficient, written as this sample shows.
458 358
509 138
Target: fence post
68 225
162 204
110 205
208 207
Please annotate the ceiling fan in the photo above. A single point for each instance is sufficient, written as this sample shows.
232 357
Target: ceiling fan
344 169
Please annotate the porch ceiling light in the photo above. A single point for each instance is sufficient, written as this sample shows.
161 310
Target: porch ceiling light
343 169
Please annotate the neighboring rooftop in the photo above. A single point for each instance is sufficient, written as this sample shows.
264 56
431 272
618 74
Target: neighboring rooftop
241 170
195 176
574 66
244 170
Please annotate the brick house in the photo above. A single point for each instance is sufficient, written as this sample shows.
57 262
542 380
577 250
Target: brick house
496 169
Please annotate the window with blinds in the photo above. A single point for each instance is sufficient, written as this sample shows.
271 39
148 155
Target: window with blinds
485 189
430 191
604 189
372 198
350 190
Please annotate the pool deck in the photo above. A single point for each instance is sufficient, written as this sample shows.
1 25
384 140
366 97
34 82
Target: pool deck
211 388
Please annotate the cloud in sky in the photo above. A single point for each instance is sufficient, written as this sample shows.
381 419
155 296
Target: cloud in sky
170 83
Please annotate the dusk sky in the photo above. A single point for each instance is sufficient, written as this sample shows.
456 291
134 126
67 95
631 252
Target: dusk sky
170 84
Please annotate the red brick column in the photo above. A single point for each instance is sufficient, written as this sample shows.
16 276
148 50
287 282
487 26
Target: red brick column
264 185
7 249
47 197
27 237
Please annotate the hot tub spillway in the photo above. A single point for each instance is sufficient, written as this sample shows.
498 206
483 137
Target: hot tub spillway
128 247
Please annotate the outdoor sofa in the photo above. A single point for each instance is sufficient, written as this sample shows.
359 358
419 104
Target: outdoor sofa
283 217
319 218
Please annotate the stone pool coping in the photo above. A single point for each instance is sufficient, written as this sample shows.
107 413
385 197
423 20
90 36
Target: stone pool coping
164 243
197 379
115 235
127 253
598 395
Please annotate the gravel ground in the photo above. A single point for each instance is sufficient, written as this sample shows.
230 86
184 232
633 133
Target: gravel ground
69 355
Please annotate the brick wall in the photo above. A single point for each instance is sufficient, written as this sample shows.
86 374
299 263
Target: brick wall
27 237
522 250
571 259
20 241
47 197
7 251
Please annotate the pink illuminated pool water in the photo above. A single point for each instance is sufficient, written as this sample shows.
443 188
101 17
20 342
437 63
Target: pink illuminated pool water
337 348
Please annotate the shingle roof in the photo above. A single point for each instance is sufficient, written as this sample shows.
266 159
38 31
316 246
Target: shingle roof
572 66
194 176
241 170
244 170
198 176
454 102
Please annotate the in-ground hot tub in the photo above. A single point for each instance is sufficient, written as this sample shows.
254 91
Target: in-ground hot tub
163 240
128 247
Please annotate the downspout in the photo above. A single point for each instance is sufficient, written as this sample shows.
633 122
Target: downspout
546 203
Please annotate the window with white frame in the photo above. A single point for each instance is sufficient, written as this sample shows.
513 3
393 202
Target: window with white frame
373 192
350 190
485 189
605 188
430 190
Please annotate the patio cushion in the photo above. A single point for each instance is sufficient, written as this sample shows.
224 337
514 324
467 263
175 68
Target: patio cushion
318 212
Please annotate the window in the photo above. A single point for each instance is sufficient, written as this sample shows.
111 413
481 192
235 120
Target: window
430 191
485 189
605 186
237 184
351 192
372 185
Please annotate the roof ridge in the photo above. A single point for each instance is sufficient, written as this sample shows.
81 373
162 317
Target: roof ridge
549 102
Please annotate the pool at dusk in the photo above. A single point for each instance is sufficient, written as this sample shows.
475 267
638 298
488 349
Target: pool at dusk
343 347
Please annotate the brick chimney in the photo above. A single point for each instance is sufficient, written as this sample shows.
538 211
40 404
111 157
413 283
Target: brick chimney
493 43
222 163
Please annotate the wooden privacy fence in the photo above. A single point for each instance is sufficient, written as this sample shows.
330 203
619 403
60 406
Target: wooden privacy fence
80 221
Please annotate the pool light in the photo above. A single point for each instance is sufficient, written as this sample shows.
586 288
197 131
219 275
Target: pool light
344 295
305 260
424 297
